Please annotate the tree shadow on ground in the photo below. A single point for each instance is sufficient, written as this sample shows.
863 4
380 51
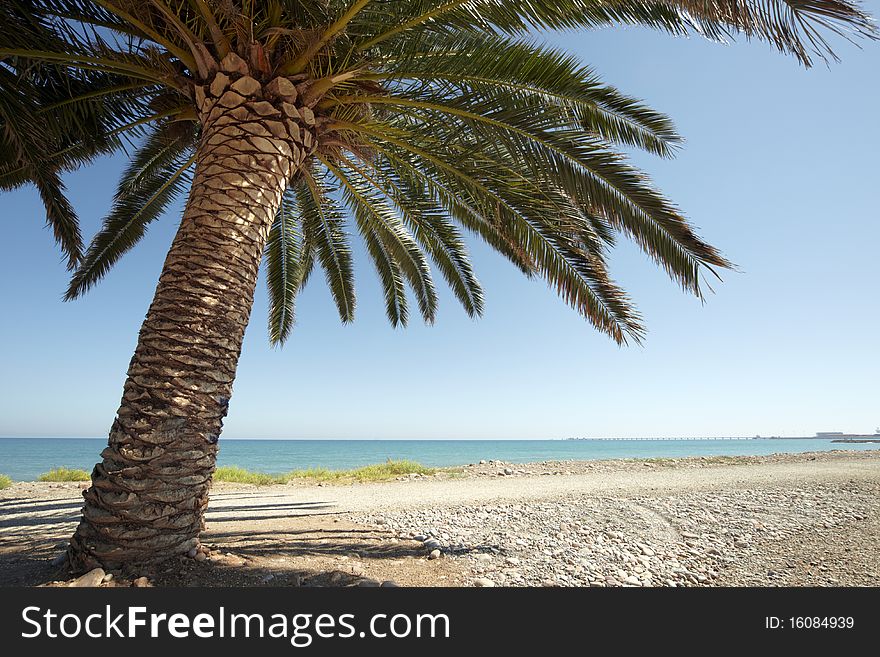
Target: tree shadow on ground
264 541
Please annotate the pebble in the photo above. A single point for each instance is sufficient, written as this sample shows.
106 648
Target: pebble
141 582
688 538
484 582
90 579
434 554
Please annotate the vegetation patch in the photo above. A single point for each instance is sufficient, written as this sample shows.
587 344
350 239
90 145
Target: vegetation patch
378 472
5 482
64 474
236 475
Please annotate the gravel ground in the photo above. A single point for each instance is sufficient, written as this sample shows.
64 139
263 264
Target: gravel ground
798 531
807 519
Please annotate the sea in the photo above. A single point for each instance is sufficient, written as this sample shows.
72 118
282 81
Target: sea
24 459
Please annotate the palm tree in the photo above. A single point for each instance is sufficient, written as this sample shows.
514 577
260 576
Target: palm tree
286 119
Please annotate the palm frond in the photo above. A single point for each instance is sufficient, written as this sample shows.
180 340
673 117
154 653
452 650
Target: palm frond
158 174
323 223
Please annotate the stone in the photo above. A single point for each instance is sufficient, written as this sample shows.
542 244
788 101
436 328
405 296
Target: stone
108 577
370 583
648 552
141 582
432 544
232 63
484 582
200 556
482 462
434 554
389 584
485 558
281 88
419 537
192 552
219 84
90 579
246 86
508 471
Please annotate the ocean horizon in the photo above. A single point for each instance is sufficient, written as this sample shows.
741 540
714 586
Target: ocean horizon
25 459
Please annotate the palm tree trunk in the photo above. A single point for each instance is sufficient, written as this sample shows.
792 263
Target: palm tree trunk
149 493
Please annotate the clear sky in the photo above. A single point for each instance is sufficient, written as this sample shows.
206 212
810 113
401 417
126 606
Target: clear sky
780 171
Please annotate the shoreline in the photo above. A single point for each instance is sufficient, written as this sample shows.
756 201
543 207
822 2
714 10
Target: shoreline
792 519
497 467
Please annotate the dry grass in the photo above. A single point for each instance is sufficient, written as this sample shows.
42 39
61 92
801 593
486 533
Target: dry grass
378 472
64 474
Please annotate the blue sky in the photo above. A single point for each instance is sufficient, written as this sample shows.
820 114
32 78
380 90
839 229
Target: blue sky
779 170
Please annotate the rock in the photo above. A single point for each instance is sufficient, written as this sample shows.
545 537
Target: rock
389 584
485 558
648 552
689 535
740 543
200 556
419 537
108 577
482 462
508 471
431 544
632 579
192 553
435 554
369 583
90 579
484 582
141 582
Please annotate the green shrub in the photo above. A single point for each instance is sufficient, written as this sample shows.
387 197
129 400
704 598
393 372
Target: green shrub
65 474
379 472
5 482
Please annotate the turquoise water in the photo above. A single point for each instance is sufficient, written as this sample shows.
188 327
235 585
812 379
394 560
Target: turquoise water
24 459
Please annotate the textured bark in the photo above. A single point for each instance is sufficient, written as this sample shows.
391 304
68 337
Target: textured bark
150 491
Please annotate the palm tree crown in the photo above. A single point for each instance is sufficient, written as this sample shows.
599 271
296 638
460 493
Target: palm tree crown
429 117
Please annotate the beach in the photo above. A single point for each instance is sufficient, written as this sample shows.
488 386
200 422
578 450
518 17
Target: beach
791 519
